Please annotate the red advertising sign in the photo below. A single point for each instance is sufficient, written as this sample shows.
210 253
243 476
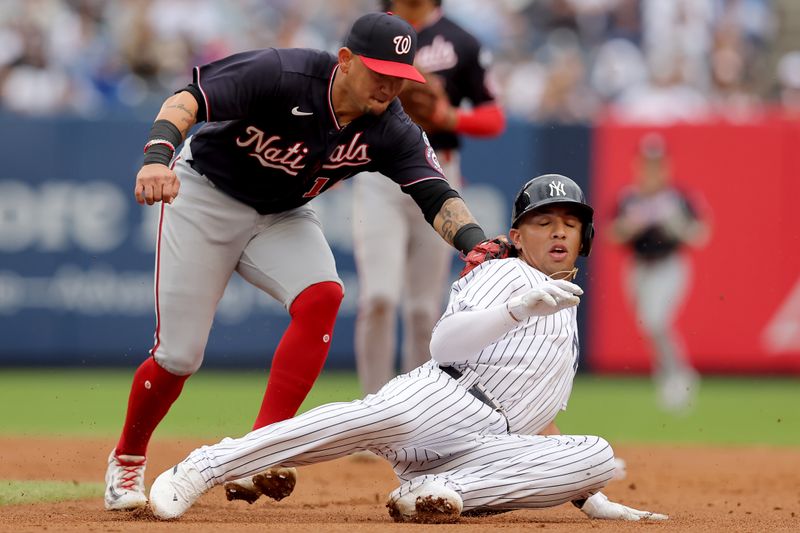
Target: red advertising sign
742 311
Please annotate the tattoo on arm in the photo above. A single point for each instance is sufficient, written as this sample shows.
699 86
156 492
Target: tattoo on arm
187 121
451 217
182 108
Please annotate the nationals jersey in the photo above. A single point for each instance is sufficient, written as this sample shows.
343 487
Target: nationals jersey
271 138
450 52
529 371
659 210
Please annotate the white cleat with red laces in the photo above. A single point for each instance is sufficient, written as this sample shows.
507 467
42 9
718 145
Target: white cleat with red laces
125 482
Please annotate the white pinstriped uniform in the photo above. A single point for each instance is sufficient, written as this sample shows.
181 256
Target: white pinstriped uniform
430 427
529 371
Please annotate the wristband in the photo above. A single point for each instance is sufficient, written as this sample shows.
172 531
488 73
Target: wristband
158 153
467 237
160 146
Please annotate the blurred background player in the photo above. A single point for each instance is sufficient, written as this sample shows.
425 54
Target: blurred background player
656 220
399 260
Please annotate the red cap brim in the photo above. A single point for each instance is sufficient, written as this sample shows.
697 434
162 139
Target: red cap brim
391 68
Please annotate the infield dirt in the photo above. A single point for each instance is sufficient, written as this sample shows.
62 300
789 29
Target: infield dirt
701 488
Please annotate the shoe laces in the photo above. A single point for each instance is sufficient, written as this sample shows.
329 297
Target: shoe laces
131 475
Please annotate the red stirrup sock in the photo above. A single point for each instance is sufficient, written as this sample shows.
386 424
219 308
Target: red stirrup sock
152 393
301 353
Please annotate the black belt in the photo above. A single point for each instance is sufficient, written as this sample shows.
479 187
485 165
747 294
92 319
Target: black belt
474 390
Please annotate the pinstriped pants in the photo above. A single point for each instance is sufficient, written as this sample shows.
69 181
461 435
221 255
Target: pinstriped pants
430 428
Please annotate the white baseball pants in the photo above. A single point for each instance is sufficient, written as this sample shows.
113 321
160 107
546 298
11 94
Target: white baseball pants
430 428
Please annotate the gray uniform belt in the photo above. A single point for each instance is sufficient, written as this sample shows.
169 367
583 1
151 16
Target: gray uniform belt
475 389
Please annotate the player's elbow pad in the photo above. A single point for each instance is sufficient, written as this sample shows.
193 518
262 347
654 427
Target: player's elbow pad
430 195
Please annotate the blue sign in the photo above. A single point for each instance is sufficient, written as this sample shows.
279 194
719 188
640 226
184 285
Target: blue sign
77 251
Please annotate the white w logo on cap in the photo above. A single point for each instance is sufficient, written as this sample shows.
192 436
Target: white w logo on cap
402 44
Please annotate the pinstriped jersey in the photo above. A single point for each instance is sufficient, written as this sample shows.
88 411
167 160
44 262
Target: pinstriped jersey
529 370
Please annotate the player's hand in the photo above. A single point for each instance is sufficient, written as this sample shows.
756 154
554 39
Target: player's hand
550 297
444 116
599 506
428 104
156 183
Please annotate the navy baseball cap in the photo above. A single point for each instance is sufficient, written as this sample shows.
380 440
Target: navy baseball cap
386 44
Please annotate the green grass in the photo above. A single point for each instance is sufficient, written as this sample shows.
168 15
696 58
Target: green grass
93 402
727 411
216 404
16 492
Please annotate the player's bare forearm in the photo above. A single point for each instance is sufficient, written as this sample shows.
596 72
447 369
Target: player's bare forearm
181 110
453 214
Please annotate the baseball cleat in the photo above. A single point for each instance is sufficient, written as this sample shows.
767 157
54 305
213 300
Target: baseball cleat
242 489
430 503
677 391
125 482
176 490
276 483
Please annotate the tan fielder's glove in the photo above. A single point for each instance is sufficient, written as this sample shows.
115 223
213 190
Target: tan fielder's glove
427 104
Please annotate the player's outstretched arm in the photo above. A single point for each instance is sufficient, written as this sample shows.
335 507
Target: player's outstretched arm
156 182
461 336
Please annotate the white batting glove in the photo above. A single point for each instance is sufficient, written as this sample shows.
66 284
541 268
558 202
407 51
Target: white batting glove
599 506
550 297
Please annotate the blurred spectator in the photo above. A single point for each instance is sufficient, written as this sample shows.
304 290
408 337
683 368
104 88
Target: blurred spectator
731 96
655 220
31 83
566 96
789 78
666 98
97 56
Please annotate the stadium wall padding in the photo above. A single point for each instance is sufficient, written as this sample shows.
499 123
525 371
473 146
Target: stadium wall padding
77 252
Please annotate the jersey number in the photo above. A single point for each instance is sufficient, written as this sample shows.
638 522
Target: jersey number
319 184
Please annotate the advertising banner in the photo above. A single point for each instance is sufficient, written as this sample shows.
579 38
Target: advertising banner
77 251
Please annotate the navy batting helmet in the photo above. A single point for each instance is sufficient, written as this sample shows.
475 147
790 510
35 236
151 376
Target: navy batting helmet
555 189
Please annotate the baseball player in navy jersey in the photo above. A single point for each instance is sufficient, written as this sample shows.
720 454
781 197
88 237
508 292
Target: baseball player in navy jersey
401 264
281 127
656 221
464 431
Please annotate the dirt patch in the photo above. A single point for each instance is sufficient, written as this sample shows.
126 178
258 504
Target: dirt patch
701 488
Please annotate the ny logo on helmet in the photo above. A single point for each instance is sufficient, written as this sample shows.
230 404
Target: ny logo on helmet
557 188
402 44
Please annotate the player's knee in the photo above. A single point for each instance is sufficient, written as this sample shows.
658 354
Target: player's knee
318 299
422 320
377 307
180 366
605 453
